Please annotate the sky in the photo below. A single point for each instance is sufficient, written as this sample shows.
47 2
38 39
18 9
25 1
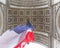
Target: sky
3 1
55 1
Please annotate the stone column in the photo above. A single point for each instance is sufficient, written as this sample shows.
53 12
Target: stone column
51 39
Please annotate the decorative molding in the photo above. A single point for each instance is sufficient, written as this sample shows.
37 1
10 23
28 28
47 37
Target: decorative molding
27 3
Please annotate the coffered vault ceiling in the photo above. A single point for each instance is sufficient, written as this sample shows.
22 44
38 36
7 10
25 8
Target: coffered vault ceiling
28 3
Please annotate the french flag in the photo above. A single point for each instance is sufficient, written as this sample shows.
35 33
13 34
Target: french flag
17 37
29 37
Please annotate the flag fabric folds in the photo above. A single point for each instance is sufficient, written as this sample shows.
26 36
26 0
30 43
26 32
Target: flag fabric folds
20 35
29 37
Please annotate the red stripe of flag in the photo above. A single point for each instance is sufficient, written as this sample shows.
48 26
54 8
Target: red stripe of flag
29 38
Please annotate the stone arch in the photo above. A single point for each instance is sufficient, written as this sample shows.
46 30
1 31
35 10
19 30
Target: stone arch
58 21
